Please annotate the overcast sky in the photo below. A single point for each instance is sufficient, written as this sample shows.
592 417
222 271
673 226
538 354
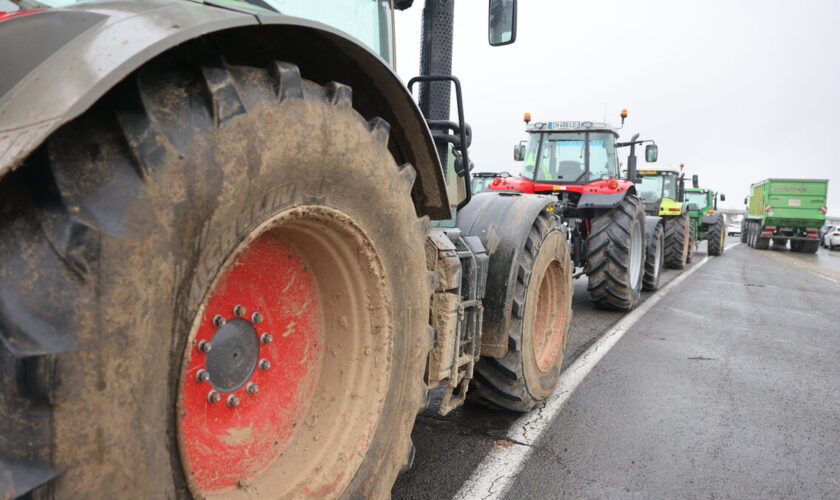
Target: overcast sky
737 90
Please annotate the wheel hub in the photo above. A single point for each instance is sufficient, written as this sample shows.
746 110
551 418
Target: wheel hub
234 354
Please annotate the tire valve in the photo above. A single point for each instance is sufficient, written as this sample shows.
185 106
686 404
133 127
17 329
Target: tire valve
265 364
256 318
204 346
202 375
238 310
219 321
232 401
252 388
213 397
266 338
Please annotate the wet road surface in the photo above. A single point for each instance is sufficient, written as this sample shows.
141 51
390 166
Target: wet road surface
728 387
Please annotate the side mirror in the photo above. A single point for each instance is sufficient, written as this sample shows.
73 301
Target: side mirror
695 181
746 200
722 197
651 153
519 152
501 28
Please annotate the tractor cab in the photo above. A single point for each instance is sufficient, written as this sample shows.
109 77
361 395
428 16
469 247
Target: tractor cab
569 152
661 191
700 200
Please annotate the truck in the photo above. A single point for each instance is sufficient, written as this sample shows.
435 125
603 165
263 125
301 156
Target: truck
786 210
709 224
662 191
236 254
577 161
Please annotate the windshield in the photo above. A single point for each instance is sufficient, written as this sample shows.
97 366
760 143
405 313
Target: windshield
370 21
561 157
654 187
697 198
479 184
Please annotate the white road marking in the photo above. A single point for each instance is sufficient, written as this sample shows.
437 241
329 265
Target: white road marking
497 472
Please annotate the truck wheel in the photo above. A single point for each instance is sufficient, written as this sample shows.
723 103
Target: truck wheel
744 227
760 242
677 240
616 255
795 246
810 246
537 337
654 259
717 238
230 307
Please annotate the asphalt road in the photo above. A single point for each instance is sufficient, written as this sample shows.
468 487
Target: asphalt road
728 387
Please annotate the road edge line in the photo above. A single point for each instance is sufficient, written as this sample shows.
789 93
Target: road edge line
498 470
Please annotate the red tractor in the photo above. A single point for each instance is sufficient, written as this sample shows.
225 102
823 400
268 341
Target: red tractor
578 162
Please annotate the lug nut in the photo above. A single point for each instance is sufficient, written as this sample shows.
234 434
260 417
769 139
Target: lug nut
204 346
238 310
219 321
232 401
256 318
252 388
202 375
266 338
213 397
265 364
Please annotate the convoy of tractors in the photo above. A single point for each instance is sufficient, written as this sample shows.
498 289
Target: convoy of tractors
237 253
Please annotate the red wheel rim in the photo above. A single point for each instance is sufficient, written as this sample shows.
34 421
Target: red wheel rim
260 436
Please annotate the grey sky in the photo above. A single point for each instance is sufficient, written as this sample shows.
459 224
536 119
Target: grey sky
738 91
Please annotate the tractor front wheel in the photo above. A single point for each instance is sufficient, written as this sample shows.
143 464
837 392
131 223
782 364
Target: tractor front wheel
717 238
677 240
616 255
539 324
654 259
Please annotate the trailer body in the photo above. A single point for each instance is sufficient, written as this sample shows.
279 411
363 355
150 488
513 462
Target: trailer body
792 209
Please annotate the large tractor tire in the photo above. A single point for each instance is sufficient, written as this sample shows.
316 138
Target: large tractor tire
615 256
540 310
655 254
200 298
717 238
677 241
692 241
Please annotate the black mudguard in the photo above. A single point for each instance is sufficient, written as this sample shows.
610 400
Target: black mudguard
650 225
709 220
502 221
600 200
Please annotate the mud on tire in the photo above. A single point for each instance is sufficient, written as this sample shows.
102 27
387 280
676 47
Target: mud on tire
114 231
616 256
540 319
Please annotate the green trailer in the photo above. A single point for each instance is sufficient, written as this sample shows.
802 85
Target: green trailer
708 223
782 210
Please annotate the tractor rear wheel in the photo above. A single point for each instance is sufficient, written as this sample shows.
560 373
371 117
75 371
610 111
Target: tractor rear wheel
540 319
677 241
654 259
615 252
717 238
233 319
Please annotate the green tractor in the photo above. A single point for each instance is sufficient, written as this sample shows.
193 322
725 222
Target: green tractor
707 223
662 191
